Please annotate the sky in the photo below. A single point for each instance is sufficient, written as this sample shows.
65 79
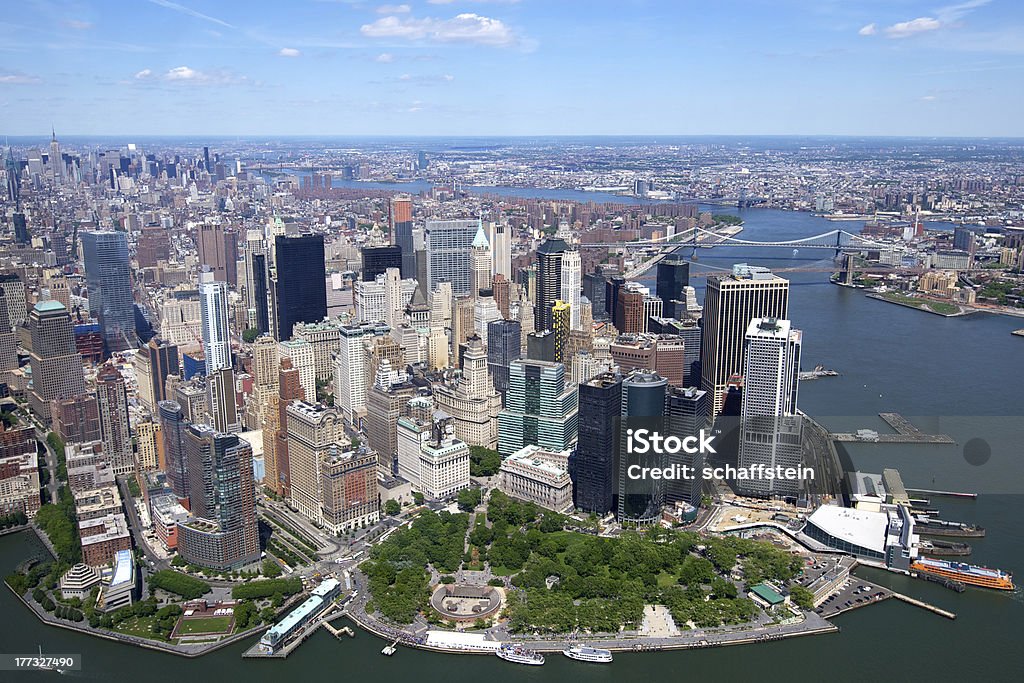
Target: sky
512 67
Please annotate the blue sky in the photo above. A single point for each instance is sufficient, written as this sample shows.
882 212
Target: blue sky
512 67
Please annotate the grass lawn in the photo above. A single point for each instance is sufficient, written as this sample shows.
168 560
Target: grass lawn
138 626
665 580
204 625
936 306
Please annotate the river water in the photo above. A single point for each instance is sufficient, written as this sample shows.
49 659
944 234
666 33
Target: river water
961 376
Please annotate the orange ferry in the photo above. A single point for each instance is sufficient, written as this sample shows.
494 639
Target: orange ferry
965 573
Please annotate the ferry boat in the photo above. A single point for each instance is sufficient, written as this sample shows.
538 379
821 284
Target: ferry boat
584 653
966 573
519 655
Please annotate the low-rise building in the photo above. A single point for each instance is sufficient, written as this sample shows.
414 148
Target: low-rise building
102 537
79 581
430 458
98 502
167 513
538 476
19 484
121 589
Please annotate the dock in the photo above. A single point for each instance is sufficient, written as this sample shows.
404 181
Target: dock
322 619
951 494
1019 333
905 432
924 605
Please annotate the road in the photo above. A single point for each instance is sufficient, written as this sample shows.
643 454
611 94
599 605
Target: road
52 484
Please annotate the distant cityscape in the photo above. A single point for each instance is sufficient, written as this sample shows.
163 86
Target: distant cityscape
250 387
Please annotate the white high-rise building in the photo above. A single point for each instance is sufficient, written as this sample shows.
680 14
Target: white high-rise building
771 430
351 369
371 300
431 457
393 304
499 236
572 286
213 305
480 263
300 352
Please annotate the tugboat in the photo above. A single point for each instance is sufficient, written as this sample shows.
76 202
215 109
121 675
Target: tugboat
519 655
584 653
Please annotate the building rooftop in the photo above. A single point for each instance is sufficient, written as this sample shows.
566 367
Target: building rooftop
49 306
859 527
124 568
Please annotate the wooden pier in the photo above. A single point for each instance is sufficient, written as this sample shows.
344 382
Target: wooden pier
905 432
924 605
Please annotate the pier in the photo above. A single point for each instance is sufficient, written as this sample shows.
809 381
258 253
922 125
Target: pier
905 432
951 494
924 605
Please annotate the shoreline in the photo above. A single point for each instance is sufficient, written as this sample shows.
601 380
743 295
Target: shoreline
923 307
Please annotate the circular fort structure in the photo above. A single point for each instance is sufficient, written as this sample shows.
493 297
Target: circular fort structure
459 602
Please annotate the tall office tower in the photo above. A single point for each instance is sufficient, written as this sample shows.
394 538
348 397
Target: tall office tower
572 286
643 407
502 289
441 300
172 425
393 303
611 295
673 277
300 294
8 339
289 386
149 441
109 282
963 239
462 321
376 260
503 346
349 490
561 321
323 338
14 294
549 281
540 408
56 366
222 531
499 236
687 411
431 457
218 249
312 430
59 290
163 361
213 306
350 371
485 311
370 299
437 349
691 332
260 292
480 263
55 161
731 302
770 430
221 400
154 245
594 288
473 404
400 220
114 429
300 352
593 464
629 314
206 160
448 245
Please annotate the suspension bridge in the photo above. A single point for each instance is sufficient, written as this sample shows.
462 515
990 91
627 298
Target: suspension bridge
838 240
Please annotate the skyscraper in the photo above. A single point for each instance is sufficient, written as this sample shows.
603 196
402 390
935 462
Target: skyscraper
221 401
222 531
400 219
218 249
687 411
480 262
56 366
549 281
499 236
643 407
260 292
114 428
376 260
673 276
540 408
172 426
593 464
300 293
731 302
503 347
572 286
594 288
448 245
770 430
561 321
312 430
109 283
213 305
163 361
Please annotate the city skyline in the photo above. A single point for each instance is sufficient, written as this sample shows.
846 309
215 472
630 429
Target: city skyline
469 67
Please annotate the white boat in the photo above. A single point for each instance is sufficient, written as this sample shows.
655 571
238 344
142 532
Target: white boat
519 655
584 653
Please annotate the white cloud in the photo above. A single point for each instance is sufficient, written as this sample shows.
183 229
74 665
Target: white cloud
182 73
952 13
188 75
18 79
905 29
288 52
144 74
463 28
868 30
384 58
394 9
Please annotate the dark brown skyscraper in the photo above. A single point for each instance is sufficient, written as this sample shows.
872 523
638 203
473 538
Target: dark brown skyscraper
289 389
218 248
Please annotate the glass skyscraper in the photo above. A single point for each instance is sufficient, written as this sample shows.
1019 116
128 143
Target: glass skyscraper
540 408
593 464
300 288
109 283
448 246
